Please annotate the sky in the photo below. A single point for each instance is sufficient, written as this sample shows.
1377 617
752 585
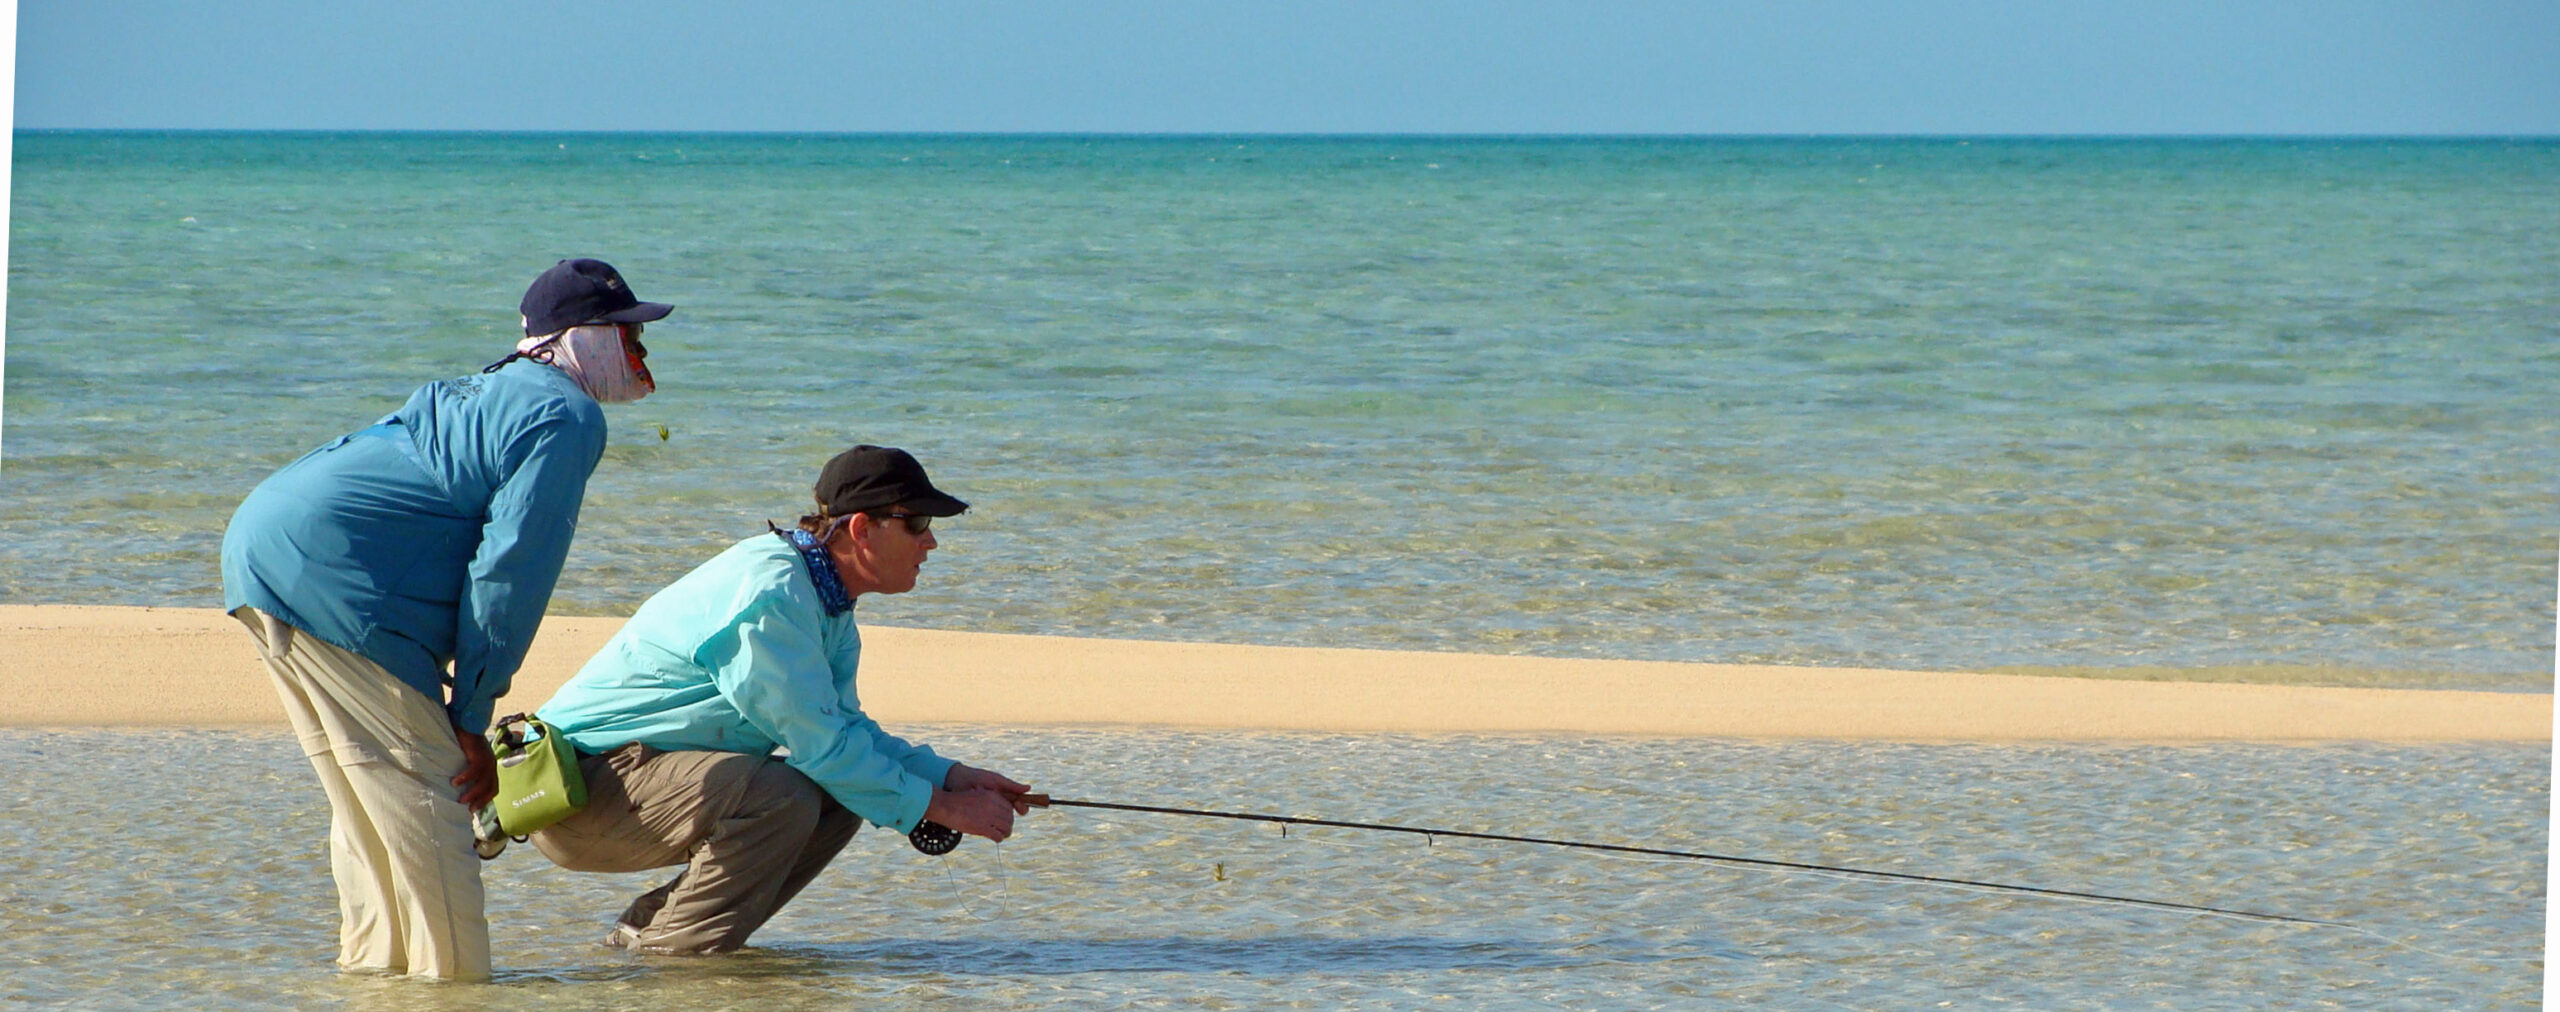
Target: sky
2285 67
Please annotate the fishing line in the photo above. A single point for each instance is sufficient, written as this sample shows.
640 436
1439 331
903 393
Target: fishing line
1004 887
952 881
1652 855
1285 821
2503 960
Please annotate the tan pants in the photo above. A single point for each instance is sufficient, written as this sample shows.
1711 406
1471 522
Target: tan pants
749 829
409 894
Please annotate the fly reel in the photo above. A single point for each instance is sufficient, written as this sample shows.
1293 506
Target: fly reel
933 838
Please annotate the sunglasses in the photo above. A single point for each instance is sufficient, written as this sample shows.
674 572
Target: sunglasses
917 523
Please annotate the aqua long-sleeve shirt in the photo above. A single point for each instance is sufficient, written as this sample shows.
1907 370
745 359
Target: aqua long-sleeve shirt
432 538
741 655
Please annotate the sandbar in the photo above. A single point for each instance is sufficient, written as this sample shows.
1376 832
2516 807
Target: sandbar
85 666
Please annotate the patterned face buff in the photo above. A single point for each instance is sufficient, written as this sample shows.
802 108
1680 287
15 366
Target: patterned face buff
596 357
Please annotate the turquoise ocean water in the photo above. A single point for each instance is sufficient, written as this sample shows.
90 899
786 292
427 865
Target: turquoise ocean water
2258 410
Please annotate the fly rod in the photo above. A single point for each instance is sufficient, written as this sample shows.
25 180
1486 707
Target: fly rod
933 838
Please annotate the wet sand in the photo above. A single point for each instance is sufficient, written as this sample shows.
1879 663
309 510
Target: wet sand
80 666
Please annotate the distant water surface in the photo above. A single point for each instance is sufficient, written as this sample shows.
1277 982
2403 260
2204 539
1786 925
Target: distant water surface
2255 410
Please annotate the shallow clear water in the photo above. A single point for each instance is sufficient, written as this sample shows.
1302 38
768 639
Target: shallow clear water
2266 410
124 884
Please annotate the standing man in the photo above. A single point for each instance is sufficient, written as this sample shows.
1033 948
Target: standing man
429 541
679 715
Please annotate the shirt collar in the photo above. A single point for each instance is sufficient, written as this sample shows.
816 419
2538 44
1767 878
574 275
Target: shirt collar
822 570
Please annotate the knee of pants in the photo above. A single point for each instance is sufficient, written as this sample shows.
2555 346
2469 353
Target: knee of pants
782 794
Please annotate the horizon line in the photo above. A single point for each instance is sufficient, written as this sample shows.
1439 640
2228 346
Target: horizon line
1306 135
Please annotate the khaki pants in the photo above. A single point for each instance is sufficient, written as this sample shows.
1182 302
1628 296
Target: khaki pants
749 830
409 897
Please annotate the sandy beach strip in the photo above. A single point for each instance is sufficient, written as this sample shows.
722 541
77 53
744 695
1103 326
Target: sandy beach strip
79 666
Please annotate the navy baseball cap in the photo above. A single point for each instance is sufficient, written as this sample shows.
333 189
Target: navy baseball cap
871 477
580 291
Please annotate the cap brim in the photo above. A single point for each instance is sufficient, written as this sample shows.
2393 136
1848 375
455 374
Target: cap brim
642 313
934 504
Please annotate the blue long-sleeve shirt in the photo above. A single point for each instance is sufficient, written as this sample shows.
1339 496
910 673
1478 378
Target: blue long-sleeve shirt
431 538
742 655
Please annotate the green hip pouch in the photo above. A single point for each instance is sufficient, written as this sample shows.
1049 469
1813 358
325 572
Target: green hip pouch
538 779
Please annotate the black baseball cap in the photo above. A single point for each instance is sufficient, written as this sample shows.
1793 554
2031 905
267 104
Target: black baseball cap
871 477
580 291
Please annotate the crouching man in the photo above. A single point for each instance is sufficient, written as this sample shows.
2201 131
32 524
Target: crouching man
677 720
